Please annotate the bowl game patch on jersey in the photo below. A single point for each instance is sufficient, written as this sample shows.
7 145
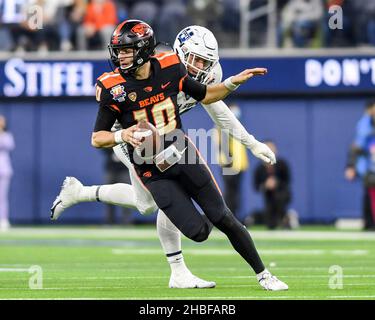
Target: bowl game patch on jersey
118 92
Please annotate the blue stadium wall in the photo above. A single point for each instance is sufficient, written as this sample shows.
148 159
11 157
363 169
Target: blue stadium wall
312 132
53 141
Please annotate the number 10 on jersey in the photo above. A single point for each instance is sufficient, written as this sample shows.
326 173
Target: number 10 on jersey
163 113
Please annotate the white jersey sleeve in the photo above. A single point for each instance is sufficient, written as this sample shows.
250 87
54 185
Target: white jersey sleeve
185 102
122 153
215 76
225 119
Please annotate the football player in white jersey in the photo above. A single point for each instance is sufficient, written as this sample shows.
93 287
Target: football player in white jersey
198 50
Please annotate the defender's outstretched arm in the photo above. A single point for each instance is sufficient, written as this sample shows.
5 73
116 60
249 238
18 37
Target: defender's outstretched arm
225 119
217 92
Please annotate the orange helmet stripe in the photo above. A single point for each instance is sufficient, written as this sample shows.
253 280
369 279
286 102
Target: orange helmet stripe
117 31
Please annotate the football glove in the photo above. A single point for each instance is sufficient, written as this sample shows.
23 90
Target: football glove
263 152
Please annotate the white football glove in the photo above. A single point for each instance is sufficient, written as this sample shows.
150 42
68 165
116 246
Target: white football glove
263 152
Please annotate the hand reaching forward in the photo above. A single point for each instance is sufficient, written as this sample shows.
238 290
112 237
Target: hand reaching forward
247 74
263 152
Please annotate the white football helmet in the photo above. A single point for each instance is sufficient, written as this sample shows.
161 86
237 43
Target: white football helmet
197 42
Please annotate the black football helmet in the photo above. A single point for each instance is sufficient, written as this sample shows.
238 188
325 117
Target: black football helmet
134 34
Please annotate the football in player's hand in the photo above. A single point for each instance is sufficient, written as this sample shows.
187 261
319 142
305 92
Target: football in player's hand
150 139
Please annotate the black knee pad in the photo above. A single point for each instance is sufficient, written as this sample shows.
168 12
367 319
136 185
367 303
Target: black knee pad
203 233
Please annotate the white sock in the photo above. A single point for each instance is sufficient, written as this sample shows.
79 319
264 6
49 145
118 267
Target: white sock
87 194
170 239
120 194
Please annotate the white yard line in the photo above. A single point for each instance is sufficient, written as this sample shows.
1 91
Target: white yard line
127 287
306 276
221 252
100 233
13 270
248 277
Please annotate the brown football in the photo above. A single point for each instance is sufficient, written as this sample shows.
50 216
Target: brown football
150 138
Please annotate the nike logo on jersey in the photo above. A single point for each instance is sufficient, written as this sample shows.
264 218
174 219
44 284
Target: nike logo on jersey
163 86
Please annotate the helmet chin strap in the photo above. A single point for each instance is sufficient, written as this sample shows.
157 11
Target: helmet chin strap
113 67
129 70
126 68
132 68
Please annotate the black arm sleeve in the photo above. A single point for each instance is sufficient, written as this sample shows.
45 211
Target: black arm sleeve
106 116
190 86
194 88
105 119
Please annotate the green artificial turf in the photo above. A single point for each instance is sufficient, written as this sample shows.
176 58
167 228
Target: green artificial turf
128 263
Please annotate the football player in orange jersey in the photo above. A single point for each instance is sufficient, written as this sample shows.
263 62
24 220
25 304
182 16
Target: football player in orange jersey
130 71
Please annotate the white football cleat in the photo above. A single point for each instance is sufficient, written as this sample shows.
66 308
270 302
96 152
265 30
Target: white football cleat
57 208
189 281
68 196
270 282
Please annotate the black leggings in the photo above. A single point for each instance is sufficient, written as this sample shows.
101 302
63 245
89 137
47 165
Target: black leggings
174 192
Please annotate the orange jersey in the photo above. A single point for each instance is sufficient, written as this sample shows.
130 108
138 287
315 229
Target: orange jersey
153 99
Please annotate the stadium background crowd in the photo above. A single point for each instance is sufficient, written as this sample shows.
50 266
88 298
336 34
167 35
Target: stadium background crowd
81 24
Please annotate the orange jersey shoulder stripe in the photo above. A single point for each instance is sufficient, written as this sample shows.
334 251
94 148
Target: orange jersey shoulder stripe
110 79
167 59
105 74
113 106
181 82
